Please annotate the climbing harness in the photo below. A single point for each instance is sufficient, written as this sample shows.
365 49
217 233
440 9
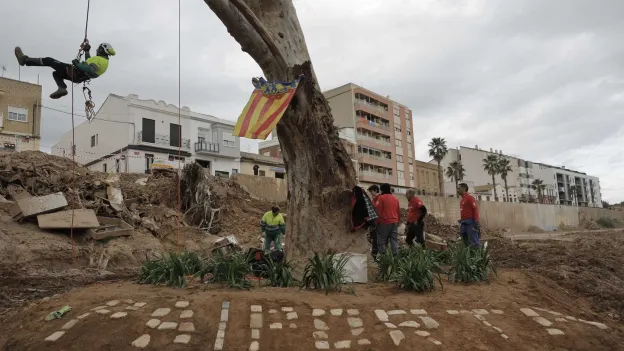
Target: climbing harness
89 104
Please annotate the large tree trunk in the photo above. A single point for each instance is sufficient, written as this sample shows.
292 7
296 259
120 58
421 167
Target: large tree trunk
440 180
319 171
494 186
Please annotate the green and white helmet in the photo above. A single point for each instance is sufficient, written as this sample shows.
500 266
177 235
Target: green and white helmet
107 49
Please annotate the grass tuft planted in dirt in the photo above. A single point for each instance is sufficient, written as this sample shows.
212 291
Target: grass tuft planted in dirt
471 264
231 270
324 272
171 269
279 273
418 271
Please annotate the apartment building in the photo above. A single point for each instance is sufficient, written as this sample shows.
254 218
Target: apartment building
262 166
129 134
426 175
382 132
559 185
20 115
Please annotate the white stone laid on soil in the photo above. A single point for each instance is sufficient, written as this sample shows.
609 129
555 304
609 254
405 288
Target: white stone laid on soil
480 312
161 312
140 304
543 321
255 334
292 326
548 311
272 311
356 332
452 311
256 308
102 311
396 312
255 321
320 325
497 311
434 341
291 315
132 308
561 320
98 308
422 333
397 336
142 341
287 309
69 324
571 318
355 322
596 324
225 315
504 336
218 346
409 324
320 335
118 315
465 312
390 325
382 315
353 312
182 304
55 336
418 312
321 345
345 344
336 312
83 315
554 331
254 346
222 325
186 314
182 339
275 326
479 317
153 323
317 312
128 301
187 327
167 325
429 322
112 303
487 324
497 329
529 312
364 342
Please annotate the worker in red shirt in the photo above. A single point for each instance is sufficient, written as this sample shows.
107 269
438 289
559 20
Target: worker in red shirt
416 212
374 191
389 211
469 228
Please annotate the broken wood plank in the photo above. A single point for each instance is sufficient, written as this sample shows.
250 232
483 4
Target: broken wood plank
110 228
83 219
17 192
33 206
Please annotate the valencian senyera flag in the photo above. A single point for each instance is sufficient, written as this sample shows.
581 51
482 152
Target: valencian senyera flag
265 108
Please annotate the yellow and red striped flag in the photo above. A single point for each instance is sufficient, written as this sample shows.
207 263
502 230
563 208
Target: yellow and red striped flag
265 108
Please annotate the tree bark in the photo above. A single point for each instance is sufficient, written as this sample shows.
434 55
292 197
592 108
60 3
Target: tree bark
319 171
494 187
440 180
506 189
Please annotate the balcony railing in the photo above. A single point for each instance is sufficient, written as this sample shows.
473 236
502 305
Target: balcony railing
161 139
364 156
374 174
206 146
367 123
380 141
377 107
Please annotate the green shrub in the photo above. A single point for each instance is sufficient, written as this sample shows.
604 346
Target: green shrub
471 264
171 269
231 270
324 272
417 271
608 222
279 274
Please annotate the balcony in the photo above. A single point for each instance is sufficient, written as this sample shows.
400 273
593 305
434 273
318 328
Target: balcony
372 106
374 160
375 127
375 175
374 143
207 147
163 140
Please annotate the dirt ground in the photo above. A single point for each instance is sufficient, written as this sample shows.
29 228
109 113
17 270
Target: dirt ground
511 291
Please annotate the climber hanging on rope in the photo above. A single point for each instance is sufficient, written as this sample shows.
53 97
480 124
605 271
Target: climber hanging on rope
77 72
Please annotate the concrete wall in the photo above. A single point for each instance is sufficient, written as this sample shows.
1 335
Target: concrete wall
513 216
270 189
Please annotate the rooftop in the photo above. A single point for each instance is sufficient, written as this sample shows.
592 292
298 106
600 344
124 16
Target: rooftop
262 159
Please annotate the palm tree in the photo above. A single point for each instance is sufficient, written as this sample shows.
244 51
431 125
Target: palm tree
539 187
491 166
456 172
504 169
437 151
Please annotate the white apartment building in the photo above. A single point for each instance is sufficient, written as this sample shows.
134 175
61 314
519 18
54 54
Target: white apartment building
129 134
562 186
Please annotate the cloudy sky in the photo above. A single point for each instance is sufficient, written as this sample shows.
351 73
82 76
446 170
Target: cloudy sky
540 79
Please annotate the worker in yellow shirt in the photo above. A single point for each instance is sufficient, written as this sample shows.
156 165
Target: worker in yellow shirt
273 226
77 72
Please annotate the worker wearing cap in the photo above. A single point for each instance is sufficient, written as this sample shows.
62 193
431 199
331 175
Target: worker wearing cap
77 72
469 228
273 226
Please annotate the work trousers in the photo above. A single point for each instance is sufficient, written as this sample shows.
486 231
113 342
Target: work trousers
469 232
388 234
416 231
62 71
272 237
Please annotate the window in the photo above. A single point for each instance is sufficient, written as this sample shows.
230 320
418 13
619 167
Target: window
18 114
410 160
397 129
104 168
176 158
409 133
234 170
397 142
279 175
401 174
222 174
174 134
399 158
94 140
117 166
411 176
487 198
262 173
148 133
229 140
